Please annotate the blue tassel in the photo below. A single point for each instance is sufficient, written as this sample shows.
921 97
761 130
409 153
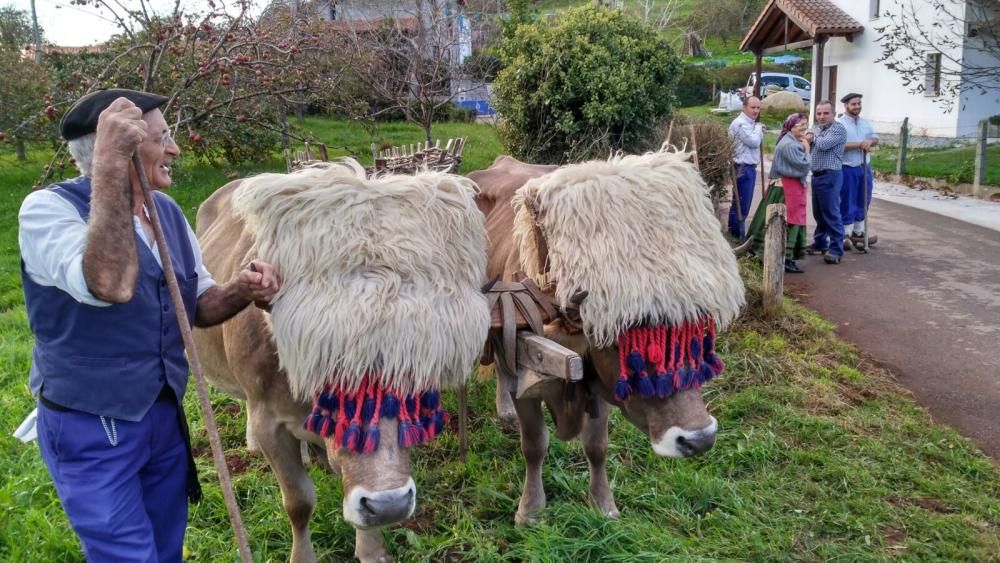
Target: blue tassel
705 372
368 409
314 422
636 363
622 389
645 387
405 436
686 374
430 400
372 437
328 400
696 349
352 437
665 385
438 421
390 406
716 362
350 405
709 344
411 404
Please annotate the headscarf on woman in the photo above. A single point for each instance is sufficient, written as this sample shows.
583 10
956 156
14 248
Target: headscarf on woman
789 123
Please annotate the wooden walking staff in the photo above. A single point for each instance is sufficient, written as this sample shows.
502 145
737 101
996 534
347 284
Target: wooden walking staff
736 199
206 406
864 194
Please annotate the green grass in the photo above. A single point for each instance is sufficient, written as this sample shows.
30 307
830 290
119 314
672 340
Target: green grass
956 165
819 457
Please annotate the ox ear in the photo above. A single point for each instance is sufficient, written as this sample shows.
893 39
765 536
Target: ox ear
529 234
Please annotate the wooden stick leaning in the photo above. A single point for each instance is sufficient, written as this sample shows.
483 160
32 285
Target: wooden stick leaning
864 194
206 406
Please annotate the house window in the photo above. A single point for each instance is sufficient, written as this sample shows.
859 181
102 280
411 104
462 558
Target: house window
932 78
873 9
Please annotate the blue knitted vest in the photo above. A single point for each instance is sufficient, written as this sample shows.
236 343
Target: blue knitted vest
113 361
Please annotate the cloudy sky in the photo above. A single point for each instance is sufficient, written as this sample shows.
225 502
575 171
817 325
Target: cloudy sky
66 24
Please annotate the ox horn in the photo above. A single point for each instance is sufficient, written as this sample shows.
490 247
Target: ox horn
578 297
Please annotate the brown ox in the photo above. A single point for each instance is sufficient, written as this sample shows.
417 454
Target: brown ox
241 357
677 426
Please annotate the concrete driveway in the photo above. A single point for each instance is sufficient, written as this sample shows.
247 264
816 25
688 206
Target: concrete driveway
925 302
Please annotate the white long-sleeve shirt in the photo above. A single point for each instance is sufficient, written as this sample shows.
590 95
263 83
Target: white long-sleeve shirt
747 136
53 236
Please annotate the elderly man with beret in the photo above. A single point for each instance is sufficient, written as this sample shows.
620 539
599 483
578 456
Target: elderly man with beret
108 366
856 193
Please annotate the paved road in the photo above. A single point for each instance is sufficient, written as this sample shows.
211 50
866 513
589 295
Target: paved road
925 303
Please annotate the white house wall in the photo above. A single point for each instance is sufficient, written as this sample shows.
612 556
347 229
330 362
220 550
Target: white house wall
976 104
886 100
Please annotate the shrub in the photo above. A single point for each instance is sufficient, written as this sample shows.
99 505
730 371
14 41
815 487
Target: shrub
694 87
454 114
593 81
482 65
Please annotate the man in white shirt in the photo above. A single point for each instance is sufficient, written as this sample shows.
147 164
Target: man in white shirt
856 192
108 365
747 135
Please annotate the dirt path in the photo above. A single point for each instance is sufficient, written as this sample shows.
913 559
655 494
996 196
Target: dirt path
925 303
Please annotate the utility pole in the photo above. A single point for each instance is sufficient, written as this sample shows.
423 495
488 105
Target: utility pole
38 36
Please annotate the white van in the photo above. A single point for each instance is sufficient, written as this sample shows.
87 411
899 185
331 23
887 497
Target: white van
775 81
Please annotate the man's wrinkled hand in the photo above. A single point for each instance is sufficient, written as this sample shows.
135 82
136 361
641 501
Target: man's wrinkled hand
259 282
120 129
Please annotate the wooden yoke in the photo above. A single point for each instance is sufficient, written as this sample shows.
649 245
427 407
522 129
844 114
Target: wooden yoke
519 312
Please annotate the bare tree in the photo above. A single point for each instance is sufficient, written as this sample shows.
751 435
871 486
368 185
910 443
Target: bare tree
944 47
408 55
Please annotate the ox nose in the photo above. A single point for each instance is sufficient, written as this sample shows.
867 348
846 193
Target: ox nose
677 442
369 509
387 509
696 443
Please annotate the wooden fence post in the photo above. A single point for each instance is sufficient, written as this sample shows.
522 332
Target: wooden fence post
904 139
980 172
775 232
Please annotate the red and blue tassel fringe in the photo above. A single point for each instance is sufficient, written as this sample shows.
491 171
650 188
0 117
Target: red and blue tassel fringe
351 418
681 357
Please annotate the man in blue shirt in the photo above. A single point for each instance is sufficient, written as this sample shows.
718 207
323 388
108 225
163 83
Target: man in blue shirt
856 193
828 139
108 366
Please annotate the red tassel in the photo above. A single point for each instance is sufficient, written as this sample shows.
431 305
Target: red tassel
342 422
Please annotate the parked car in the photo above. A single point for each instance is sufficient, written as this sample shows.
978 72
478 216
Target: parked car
772 81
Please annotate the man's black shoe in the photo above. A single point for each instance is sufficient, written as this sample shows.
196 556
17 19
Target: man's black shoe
831 259
792 268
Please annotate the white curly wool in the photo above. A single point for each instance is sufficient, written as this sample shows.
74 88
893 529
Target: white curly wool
378 275
638 233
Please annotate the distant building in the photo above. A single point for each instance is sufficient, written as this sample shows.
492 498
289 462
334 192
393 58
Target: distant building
845 47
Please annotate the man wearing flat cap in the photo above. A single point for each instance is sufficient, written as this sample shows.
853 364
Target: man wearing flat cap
856 193
108 366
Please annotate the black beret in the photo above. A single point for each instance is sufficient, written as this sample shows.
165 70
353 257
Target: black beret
81 119
849 97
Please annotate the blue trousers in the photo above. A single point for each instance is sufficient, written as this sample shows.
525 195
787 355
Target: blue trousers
121 483
829 233
852 195
746 177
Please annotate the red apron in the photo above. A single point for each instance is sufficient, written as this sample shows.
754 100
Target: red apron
795 200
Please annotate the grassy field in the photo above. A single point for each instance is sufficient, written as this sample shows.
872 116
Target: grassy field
956 165
820 455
